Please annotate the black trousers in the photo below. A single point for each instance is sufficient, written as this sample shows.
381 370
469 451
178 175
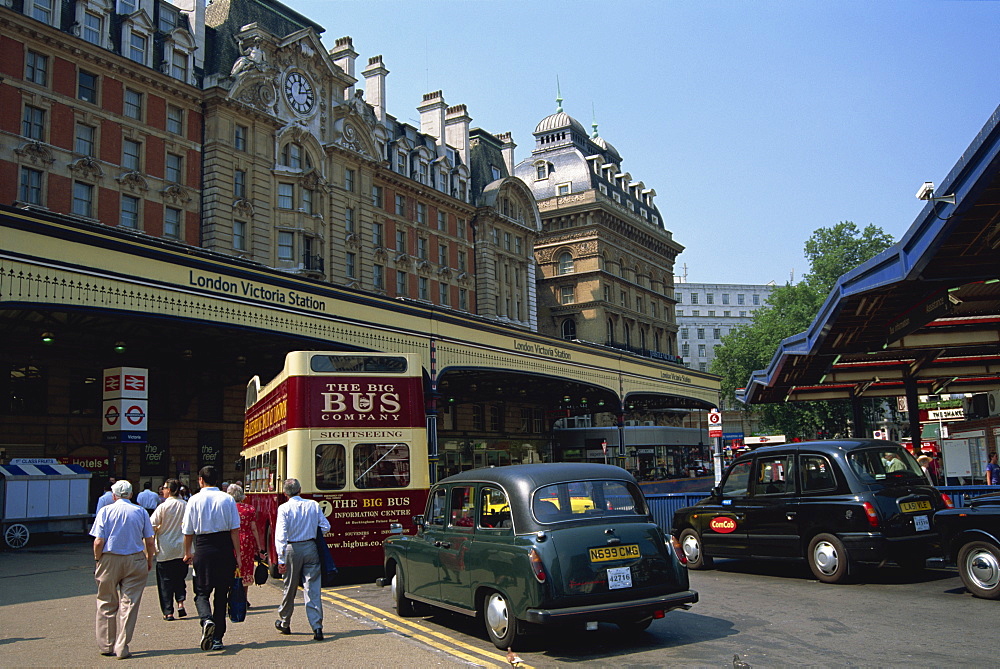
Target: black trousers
170 576
214 571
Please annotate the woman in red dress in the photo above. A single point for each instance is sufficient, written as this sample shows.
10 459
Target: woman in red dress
251 544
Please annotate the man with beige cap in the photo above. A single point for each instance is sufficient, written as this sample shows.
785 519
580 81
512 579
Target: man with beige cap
123 551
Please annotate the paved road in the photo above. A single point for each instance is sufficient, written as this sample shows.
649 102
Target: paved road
771 614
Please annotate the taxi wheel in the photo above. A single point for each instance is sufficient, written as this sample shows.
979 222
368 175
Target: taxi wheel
501 626
404 605
979 567
828 558
694 551
16 536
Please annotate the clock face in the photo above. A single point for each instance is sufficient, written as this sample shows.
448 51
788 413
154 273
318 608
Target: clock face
299 93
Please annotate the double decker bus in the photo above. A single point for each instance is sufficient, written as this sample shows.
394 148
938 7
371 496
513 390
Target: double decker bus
352 428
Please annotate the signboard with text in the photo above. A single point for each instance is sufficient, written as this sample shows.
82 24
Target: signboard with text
125 410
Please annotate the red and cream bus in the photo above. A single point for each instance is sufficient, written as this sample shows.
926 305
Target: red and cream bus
352 428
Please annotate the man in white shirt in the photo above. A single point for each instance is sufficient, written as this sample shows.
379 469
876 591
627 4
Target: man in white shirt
106 498
123 553
211 527
171 571
298 558
148 499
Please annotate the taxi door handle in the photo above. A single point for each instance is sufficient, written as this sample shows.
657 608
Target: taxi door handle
790 515
442 544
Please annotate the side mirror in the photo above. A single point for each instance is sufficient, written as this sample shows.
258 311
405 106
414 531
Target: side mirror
419 521
717 492
395 528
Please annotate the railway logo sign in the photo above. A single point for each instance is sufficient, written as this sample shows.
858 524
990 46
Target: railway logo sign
125 415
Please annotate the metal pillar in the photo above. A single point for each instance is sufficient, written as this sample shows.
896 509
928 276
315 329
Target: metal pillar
913 411
860 425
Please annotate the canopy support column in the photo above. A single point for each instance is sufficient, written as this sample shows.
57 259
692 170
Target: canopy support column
913 411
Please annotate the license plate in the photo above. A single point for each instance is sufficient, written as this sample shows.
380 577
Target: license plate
619 577
606 553
921 523
913 507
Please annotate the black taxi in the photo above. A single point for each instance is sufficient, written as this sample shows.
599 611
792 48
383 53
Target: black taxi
834 503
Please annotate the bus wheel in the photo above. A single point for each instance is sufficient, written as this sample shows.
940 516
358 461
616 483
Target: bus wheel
404 605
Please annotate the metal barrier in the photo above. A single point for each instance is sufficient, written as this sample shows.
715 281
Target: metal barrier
960 493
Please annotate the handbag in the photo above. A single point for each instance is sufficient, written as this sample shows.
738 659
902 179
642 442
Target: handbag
260 573
237 603
326 563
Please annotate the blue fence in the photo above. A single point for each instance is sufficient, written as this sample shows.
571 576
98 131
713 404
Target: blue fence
664 505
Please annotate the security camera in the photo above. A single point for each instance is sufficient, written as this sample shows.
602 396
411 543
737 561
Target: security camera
926 191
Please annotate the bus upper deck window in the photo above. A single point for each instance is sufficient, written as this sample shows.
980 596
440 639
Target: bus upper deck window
331 467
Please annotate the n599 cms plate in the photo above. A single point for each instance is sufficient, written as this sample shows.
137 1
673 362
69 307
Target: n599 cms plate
605 553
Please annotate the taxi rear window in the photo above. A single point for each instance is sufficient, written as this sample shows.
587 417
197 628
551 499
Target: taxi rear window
889 462
586 499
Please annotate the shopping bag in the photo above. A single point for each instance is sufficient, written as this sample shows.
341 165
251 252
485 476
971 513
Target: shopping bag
260 573
237 604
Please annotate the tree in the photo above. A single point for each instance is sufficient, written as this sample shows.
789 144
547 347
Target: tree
789 310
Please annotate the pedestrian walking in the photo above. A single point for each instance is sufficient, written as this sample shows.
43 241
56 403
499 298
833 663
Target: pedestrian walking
251 542
211 529
992 471
171 570
148 499
123 552
106 498
298 558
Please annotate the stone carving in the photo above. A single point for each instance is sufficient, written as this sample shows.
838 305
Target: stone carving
134 181
244 206
253 58
254 77
176 194
86 167
36 153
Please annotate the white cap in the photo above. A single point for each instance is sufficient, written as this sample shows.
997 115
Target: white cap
122 488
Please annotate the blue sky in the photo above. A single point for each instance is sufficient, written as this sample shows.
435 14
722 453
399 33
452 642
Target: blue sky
755 122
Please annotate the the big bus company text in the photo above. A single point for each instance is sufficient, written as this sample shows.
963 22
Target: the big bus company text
352 428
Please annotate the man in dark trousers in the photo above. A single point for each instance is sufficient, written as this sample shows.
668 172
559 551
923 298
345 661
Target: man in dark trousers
298 559
212 527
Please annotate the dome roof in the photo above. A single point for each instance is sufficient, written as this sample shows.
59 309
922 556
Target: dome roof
607 146
558 121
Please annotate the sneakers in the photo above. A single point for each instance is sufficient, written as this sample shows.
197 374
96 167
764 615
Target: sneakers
207 634
282 629
318 634
217 645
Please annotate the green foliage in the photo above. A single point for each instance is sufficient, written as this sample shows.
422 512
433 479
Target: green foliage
788 311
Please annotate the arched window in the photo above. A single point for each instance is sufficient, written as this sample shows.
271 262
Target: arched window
569 329
642 339
627 333
656 342
611 330
566 263
294 157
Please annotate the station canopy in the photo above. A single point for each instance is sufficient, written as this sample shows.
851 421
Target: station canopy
924 312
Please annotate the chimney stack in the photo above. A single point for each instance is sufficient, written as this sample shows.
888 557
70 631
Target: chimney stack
432 111
344 55
457 121
508 151
375 75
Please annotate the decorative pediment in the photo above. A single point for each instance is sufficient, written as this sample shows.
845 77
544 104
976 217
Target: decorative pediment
402 260
134 181
380 253
313 181
87 168
254 76
352 240
464 278
176 194
35 153
354 127
423 267
445 272
244 206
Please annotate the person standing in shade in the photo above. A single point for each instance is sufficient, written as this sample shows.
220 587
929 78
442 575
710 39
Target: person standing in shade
211 527
992 471
123 551
171 571
148 499
298 559
106 498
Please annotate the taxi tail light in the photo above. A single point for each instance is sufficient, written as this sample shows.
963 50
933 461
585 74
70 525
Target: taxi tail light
947 501
536 565
871 513
657 615
678 550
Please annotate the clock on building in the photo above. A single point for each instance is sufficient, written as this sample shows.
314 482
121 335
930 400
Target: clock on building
299 93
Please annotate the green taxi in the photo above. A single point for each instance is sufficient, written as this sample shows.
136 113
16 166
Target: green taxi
527 546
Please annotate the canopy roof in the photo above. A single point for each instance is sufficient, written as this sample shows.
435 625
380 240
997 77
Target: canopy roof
926 308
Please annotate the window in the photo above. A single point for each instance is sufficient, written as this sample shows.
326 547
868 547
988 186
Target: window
349 220
378 277
463 509
378 201
506 241
727 313
496 418
442 221
694 298
93 28
422 248
401 241
442 254
494 507
133 104
817 474
738 480
36 68
126 6
286 245
566 263
569 329
137 48
84 143
331 466
33 123
239 184
495 172
175 120
129 212
421 213
42 10
292 156
463 299
755 298
402 279
725 298
351 265
240 235
307 200
741 299
716 333
541 172
31 186
685 349
461 229
444 294
423 288
401 162
566 295
240 133
684 333
131 154
168 19
86 86
172 223
772 477
701 351
286 196
175 168
349 180
701 333
710 298
563 189
83 199
462 261
378 236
